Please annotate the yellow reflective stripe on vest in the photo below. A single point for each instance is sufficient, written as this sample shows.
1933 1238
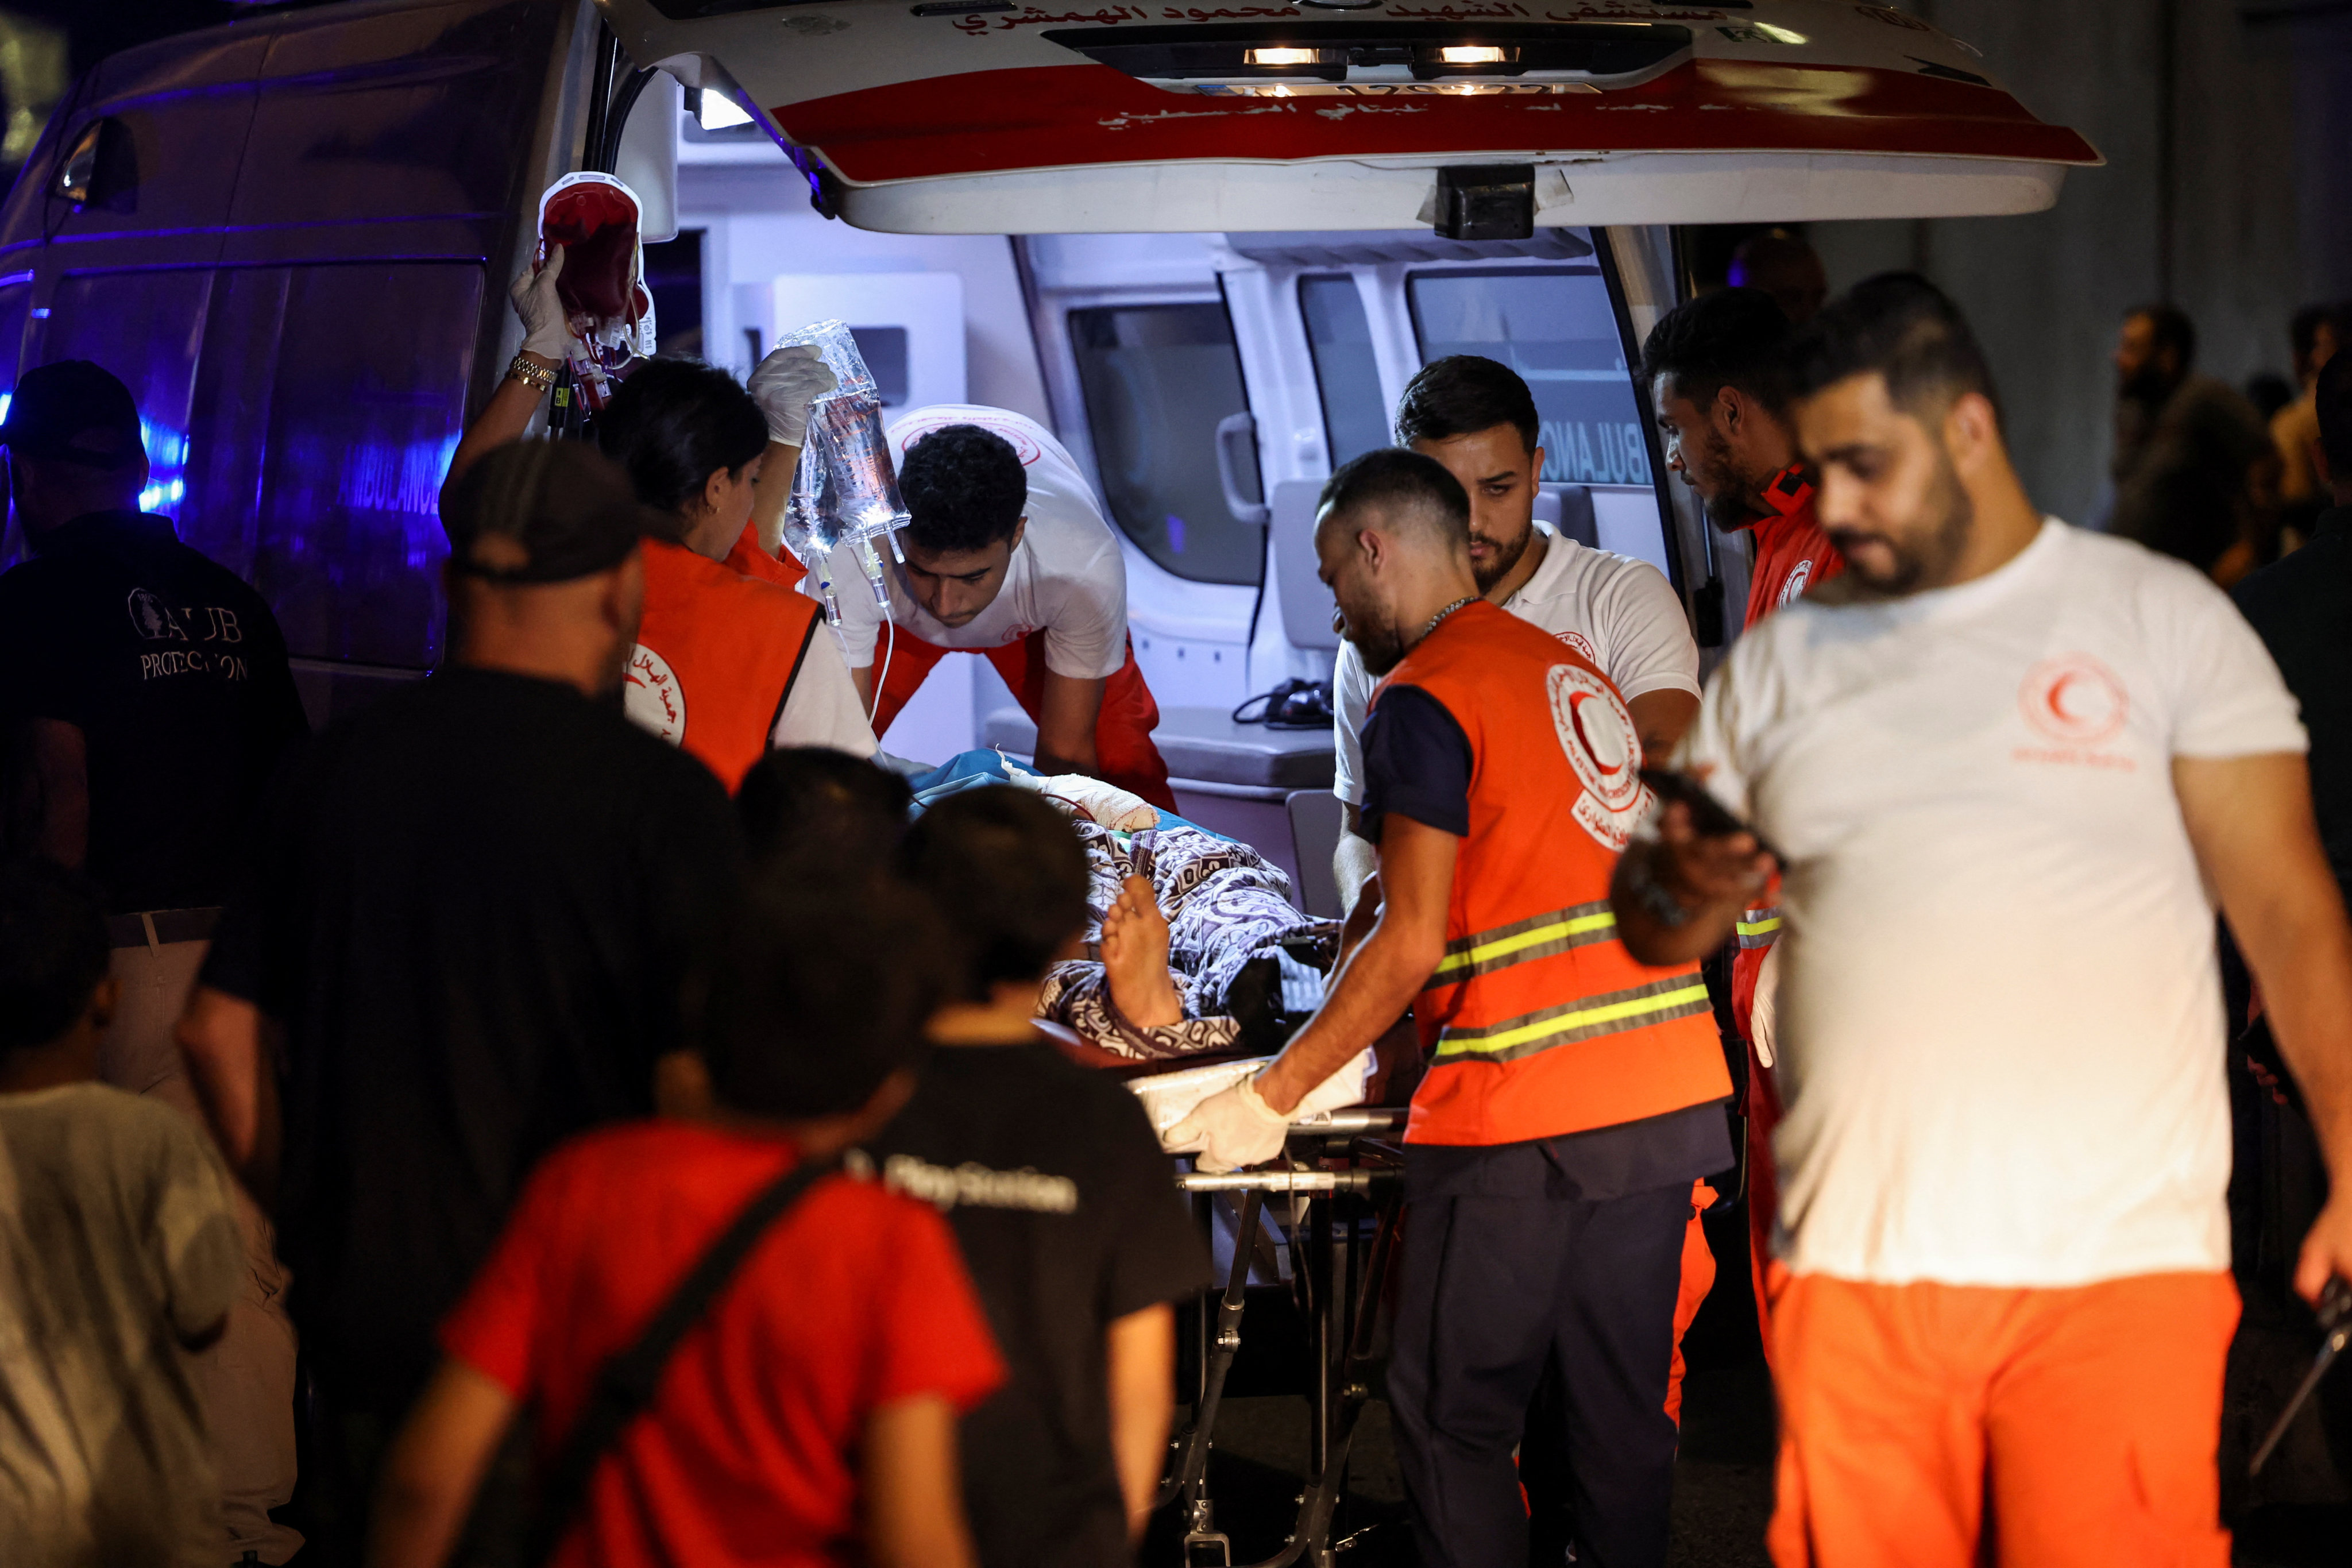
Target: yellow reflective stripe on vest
1523 942
1759 927
1612 1012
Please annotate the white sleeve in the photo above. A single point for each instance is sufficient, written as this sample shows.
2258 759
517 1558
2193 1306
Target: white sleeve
1710 750
821 708
1648 639
2228 698
1085 624
861 617
1351 694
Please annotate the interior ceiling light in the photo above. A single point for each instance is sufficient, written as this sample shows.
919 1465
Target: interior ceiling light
1471 55
1777 35
718 111
1282 57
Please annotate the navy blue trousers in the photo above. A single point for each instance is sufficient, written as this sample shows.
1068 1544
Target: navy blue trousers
1490 1288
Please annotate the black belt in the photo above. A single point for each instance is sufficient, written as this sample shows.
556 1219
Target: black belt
158 926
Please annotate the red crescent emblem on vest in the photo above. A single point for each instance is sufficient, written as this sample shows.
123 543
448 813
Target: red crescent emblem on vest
653 697
1603 750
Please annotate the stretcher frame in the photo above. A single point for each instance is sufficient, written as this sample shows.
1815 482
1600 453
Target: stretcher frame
1341 1279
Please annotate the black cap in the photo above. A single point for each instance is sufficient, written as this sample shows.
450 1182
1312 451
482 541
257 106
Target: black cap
544 512
74 412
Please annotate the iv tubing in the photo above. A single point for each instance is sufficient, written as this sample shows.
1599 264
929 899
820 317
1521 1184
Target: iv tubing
890 627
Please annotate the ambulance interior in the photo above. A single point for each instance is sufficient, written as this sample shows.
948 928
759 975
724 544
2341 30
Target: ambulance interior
1208 383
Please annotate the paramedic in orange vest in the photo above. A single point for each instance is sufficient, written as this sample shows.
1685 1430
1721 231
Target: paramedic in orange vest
1008 557
725 666
1718 372
2013 766
1572 1095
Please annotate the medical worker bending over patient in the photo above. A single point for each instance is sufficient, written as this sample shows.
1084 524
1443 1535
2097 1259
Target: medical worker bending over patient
1008 556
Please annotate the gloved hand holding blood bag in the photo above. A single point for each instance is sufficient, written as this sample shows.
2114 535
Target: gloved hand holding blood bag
594 219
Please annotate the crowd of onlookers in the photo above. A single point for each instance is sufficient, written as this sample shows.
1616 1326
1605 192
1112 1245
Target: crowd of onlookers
2225 480
573 1107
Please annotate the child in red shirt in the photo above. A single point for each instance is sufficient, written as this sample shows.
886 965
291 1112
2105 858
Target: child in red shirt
809 1418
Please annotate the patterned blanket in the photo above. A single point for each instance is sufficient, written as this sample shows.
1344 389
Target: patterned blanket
1233 933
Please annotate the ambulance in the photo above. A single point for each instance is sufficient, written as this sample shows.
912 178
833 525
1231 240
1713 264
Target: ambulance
1204 241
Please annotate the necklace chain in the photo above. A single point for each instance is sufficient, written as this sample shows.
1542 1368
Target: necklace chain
1435 619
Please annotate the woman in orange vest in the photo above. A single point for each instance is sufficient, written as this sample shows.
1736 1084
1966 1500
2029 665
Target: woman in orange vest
726 665
1572 1095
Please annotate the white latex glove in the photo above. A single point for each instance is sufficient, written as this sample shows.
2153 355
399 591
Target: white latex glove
545 331
1764 1009
786 383
1229 1129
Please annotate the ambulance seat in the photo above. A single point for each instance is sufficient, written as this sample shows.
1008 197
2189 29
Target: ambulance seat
1317 817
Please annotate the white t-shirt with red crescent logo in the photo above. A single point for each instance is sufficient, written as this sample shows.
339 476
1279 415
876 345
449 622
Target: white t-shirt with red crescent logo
2000 1019
1066 578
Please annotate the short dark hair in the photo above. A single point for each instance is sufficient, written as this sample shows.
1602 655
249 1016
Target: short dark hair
800 805
53 952
2172 328
1902 326
2333 395
674 423
1733 337
1461 394
2303 328
812 993
1396 477
1007 874
964 488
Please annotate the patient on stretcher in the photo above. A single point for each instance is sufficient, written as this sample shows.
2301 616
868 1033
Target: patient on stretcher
1193 945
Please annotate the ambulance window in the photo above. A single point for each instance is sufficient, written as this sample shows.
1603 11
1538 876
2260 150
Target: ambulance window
1339 339
1555 326
1157 379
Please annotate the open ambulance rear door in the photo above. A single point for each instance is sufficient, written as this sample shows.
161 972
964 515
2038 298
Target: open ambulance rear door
1474 117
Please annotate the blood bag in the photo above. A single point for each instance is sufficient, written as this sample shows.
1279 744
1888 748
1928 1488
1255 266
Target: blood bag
594 217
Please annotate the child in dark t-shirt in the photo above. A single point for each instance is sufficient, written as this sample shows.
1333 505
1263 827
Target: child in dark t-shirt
1056 1187
808 1418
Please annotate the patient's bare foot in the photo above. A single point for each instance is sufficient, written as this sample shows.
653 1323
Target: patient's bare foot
1135 958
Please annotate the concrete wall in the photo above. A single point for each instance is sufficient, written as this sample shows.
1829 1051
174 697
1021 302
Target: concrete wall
2227 193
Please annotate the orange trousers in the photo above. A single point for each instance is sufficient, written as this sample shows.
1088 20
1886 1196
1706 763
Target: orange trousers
1124 752
1942 1426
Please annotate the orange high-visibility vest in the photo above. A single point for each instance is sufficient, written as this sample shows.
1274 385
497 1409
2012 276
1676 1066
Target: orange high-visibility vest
716 657
1538 1022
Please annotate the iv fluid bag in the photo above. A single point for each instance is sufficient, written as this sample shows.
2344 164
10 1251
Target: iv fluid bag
845 490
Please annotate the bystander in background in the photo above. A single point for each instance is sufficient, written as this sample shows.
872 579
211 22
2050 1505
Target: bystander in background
149 700
2186 453
122 1257
470 917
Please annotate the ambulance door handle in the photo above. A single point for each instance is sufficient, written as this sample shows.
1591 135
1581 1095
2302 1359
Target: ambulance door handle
1237 454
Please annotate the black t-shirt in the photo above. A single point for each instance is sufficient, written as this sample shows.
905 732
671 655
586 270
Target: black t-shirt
175 673
1069 1219
2303 608
1417 763
473 906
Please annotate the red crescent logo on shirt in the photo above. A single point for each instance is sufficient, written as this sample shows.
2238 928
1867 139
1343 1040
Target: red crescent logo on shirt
2073 699
652 695
1794 588
1603 750
1577 641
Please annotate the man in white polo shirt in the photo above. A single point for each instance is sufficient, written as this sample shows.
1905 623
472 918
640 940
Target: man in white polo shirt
1477 418
1008 557
2001 761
